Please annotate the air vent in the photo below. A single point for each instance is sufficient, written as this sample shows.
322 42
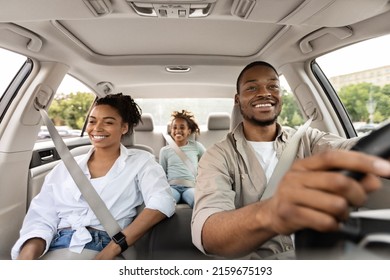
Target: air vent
172 10
242 8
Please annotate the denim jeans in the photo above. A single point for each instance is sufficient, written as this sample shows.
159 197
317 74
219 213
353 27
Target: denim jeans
61 240
183 193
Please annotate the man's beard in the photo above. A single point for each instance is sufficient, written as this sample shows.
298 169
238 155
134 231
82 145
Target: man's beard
261 122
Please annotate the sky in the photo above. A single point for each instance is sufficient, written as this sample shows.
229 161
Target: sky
331 64
379 56
69 84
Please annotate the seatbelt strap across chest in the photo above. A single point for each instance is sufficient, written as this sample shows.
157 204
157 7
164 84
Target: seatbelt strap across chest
87 190
286 159
180 153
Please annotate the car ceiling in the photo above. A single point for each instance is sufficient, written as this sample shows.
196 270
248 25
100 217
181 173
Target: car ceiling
118 47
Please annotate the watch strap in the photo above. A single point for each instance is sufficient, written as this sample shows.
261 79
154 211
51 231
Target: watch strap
120 239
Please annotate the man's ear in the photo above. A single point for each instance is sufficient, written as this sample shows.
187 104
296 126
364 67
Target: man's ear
236 99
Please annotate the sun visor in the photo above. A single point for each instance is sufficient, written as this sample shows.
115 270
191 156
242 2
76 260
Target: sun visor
260 10
53 9
327 13
332 13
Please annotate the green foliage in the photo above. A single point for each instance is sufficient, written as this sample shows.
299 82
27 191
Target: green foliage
71 110
386 90
291 114
357 99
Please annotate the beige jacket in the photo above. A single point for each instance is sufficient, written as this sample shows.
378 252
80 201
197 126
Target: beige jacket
230 176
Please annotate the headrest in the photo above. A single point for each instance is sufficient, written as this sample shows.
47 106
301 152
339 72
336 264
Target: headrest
128 140
218 121
236 117
147 123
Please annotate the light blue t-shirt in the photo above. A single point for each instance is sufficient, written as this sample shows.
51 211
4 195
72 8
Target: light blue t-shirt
174 167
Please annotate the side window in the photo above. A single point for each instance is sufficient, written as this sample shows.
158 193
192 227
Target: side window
69 109
360 74
291 114
10 64
14 68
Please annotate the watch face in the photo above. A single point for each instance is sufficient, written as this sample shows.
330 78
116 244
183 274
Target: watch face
119 237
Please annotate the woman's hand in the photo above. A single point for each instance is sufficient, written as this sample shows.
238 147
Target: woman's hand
110 252
32 249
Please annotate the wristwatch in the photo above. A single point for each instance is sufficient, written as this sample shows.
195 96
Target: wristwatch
120 239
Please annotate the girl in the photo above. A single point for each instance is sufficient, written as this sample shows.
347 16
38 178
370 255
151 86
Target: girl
180 176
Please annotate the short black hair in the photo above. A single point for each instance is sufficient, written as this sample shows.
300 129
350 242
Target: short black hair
251 65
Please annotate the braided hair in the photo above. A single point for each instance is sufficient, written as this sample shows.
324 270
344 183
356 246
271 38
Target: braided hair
189 118
125 106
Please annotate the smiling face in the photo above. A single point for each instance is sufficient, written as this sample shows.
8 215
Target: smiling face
259 96
180 131
105 127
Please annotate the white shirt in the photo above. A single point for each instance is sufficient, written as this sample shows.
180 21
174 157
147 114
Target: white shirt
134 178
266 155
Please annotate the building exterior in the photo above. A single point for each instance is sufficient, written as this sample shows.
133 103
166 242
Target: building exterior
378 76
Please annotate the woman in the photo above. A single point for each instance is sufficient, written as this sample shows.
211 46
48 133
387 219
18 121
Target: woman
59 217
180 177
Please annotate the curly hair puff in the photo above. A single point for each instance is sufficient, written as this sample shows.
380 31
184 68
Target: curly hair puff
189 118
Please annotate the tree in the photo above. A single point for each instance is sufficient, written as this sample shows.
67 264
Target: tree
357 97
71 110
290 115
382 99
386 90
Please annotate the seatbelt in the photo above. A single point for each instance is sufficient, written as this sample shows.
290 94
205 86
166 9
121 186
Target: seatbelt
286 159
180 153
182 182
87 190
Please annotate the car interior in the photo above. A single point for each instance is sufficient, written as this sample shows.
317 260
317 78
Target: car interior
168 55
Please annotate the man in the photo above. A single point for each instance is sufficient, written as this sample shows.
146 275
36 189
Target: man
229 217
